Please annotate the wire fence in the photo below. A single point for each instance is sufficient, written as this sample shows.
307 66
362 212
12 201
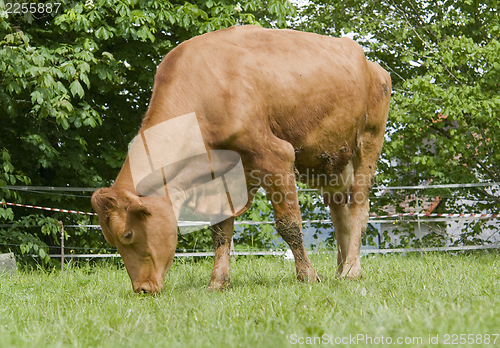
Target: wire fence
417 217
288 255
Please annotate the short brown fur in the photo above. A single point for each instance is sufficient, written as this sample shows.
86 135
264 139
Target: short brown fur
286 101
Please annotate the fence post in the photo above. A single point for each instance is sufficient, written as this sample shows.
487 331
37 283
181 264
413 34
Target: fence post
62 244
231 250
418 220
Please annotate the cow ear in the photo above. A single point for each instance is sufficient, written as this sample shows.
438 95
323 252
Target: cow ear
104 200
136 206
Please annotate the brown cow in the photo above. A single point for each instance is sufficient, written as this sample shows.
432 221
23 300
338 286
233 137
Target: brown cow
291 104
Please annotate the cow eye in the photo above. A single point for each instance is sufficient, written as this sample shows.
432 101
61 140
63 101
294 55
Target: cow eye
128 235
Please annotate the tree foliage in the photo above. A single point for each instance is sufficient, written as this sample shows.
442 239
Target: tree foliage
74 85
444 60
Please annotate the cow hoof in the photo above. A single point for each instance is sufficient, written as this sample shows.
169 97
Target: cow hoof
350 275
221 284
351 271
219 287
311 277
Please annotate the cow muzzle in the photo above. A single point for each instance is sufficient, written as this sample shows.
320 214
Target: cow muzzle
148 287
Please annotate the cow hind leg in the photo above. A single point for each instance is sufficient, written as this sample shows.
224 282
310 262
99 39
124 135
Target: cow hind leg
350 217
349 221
350 214
222 234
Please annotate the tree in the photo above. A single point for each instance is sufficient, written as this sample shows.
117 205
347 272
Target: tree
444 122
74 85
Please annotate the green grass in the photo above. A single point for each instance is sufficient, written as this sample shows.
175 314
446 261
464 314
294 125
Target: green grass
400 296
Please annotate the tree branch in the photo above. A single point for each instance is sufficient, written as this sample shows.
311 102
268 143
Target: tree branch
424 42
490 153
443 132
486 169
392 70
487 194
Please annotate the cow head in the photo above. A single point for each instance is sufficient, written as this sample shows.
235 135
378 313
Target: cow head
143 229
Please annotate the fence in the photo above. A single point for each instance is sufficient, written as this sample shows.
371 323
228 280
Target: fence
420 217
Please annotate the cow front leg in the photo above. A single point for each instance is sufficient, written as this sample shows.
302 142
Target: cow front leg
290 229
278 179
222 233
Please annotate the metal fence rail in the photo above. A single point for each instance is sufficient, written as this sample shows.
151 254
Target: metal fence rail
288 253
416 187
406 217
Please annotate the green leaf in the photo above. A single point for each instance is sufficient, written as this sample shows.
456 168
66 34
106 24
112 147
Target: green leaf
76 89
36 97
103 33
48 81
13 86
68 69
85 79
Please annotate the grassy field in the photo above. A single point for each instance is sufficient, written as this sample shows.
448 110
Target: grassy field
407 298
